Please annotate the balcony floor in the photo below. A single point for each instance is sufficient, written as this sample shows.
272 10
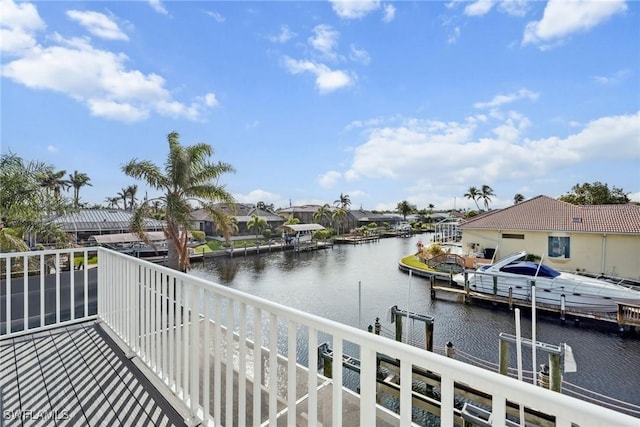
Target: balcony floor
78 376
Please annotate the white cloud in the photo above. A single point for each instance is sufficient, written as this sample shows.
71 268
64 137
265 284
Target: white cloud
389 13
499 100
325 39
452 152
454 35
562 18
210 100
216 16
327 80
354 9
329 179
98 24
20 22
479 7
99 79
514 7
256 196
284 36
612 79
158 6
359 55
52 148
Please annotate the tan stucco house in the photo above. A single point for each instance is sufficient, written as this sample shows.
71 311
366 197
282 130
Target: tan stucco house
597 239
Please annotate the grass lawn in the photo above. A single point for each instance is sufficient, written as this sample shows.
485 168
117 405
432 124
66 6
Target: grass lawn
411 261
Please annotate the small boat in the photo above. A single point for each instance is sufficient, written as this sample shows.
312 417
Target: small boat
580 292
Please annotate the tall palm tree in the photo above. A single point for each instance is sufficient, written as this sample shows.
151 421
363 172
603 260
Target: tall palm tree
54 182
257 224
485 194
473 194
77 180
131 192
292 220
517 198
339 215
124 196
323 215
405 208
431 207
343 201
188 178
227 226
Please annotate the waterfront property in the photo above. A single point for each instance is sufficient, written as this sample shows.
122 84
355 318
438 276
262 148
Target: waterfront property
197 344
241 214
599 239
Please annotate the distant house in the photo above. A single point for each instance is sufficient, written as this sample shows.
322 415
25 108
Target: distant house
83 224
598 239
362 218
241 212
304 213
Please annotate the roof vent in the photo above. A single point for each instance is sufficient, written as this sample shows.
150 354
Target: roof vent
577 219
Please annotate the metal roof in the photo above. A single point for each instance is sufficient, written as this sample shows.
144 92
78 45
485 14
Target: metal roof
153 236
100 220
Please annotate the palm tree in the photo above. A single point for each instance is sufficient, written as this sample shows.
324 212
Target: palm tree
257 224
343 201
339 215
54 182
112 202
24 199
227 226
518 198
405 208
431 207
292 221
131 192
323 214
188 178
124 195
77 181
473 194
485 195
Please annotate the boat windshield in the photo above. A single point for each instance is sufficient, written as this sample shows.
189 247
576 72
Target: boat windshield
527 268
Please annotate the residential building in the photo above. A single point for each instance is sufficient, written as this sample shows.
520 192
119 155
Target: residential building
596 239
241 213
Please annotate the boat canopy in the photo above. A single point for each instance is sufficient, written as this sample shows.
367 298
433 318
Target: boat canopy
109 239
302 227
528 268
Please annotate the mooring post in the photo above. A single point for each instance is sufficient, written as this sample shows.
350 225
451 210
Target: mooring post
562 308
495 285
467 296
328 368
555 372
432 283
377 326
398 321
370 329
428 339
450 350
510 298
503 355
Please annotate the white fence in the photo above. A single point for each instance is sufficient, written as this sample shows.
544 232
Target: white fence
266 371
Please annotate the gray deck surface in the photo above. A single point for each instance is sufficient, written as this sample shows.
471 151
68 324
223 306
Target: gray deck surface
76 376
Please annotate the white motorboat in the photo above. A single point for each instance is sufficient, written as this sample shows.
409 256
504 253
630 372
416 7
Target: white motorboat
580 292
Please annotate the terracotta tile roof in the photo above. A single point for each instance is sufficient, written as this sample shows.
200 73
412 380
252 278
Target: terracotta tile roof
543 213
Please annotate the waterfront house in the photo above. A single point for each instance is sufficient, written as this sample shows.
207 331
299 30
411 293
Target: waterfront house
241 213
83 224
595 239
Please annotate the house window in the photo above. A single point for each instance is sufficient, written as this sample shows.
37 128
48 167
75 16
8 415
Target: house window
512 236
559 247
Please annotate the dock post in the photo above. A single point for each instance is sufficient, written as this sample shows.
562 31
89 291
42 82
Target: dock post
495 286
428 339
450 350
328 368
432 282
370 329
510 298
562 308
377 326
398 321
503 356
467 297
543 376
555 372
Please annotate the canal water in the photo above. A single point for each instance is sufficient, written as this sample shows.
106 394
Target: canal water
326 283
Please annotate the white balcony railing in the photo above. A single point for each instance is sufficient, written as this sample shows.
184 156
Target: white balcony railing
235 359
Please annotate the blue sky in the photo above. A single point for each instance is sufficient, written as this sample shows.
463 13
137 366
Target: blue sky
383 101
